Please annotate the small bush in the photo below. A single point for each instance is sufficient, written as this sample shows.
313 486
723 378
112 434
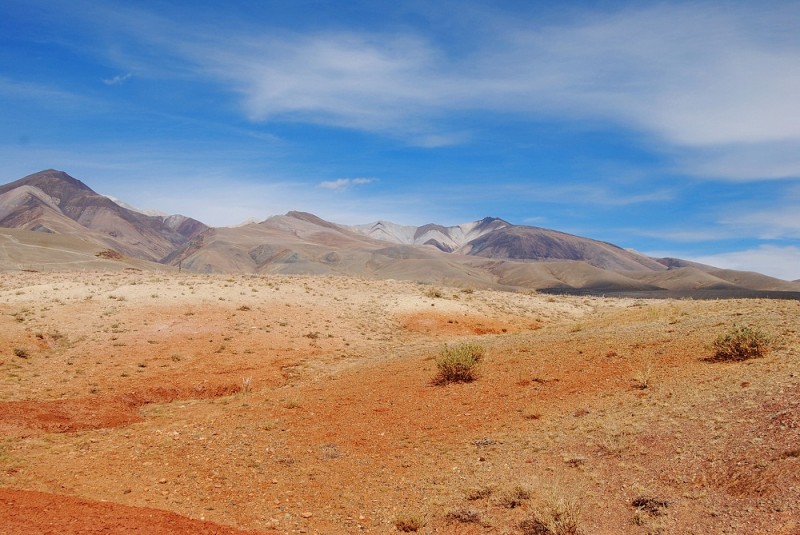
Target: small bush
515 498
434 293
741 343
459 364
653 506
464 516
21 352
479 493
559 517
409 523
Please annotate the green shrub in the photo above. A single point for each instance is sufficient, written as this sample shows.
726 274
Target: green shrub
459 364
741 343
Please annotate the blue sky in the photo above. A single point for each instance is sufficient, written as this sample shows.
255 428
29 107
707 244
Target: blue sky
672 128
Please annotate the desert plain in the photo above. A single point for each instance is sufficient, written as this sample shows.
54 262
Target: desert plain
163 402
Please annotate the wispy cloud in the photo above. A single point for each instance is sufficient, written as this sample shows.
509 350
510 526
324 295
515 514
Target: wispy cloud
344 183
118 79
780 262
44 95
740 162
696 235
582 194
777 222
715 78
714 82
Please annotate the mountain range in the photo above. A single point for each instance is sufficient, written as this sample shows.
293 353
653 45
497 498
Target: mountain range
52 221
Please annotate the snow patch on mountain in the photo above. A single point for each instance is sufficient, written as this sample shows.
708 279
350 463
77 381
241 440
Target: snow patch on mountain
156 213
445 238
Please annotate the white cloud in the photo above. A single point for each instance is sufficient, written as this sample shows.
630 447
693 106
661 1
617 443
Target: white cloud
704 234
576 194
780 219
711 77
780 262
712 84
744 161
344 183
118 79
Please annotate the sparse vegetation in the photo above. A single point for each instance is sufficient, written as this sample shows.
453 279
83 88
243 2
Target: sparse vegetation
459 364
464 516
515 497
558 517
434 293
479 493
741 343
642 376
21 352
409 523
650 505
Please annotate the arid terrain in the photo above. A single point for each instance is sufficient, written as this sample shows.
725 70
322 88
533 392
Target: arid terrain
151 402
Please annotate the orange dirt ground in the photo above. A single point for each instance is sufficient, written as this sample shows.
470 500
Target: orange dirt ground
150 403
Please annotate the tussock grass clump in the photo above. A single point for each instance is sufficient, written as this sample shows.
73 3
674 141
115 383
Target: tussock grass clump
464 516
741 343
653 506
459 364
560 517
515 497
409 523
434 293
479 493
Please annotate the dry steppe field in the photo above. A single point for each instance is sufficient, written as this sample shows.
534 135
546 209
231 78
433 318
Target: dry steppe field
143 402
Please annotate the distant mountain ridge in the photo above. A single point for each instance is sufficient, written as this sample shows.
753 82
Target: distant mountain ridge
489 253
447 239
492 237
53 201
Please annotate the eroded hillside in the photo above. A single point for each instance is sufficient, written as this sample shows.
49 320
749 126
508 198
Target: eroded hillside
307 404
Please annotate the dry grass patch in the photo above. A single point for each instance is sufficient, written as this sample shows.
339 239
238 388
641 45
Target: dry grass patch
409 523
464 516
459 364
558 517
515 497
741 343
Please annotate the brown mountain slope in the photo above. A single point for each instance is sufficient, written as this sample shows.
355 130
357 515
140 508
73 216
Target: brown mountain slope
51 201
533 243
567 275
492 237
48 251
299 243
490 253
745 279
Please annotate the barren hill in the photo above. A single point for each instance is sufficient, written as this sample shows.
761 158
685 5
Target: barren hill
53 201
